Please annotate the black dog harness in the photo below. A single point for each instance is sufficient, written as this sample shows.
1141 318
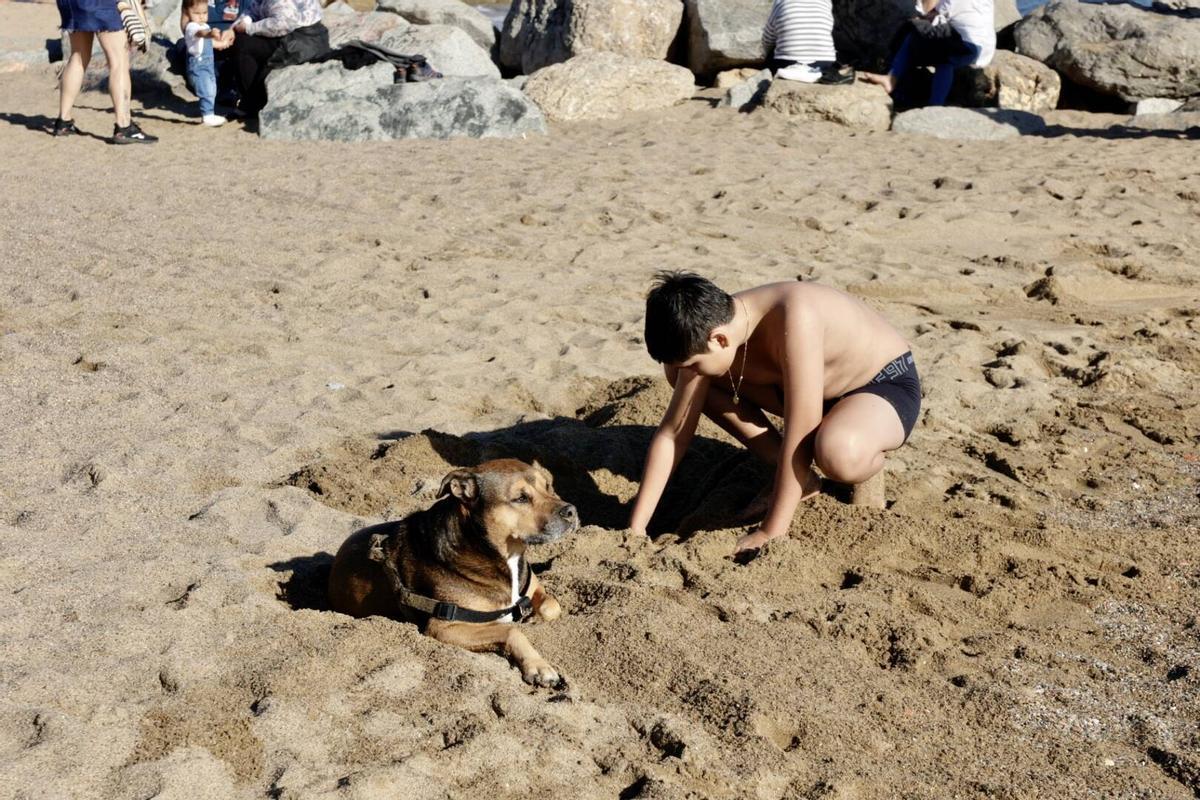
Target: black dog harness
449 612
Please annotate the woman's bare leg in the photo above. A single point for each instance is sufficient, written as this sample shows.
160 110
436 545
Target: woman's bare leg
71 81
116 50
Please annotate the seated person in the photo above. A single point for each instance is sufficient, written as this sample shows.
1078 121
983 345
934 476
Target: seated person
274 33
948 34
798 40
841 377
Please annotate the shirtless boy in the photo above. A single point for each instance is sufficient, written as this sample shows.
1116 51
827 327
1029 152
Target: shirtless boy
839 375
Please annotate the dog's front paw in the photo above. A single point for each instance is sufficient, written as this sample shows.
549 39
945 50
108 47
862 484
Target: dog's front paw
550 609
540 673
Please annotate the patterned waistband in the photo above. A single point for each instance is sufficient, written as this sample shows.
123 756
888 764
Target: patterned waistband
900 365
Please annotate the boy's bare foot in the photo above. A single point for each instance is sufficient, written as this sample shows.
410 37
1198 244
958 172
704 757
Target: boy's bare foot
869 493
886 81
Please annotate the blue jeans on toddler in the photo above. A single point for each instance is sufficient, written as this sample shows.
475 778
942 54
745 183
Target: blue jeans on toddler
202 74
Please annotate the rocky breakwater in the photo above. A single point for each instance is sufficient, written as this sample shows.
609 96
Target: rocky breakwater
1122 51
606 86
538 33
444 12
858 105
328 101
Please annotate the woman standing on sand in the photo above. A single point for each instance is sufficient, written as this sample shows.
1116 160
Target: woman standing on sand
948 34
83 20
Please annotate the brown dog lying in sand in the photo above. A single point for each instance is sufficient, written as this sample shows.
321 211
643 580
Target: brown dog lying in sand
459 567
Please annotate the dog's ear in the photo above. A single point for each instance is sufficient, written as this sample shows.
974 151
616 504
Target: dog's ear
463 484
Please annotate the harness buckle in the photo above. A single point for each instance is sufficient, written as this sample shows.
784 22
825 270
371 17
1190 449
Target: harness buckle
524 609
445 611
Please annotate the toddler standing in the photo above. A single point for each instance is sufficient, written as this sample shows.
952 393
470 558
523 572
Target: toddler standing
199 39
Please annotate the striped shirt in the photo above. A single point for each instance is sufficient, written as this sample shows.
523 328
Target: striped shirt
800 30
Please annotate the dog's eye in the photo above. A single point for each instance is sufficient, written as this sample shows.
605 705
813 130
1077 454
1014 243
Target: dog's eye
523 497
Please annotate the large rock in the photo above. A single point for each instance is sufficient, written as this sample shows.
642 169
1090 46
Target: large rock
448 49
163 16
1012 81
725 34
326 101
749 93
1005 13
1179 121
445 12
538 33
857 105
1117 50
345 24
606 86
967 124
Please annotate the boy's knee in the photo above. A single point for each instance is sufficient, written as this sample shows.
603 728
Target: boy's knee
842 455
672 374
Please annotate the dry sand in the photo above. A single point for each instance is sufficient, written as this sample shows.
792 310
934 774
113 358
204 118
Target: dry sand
219 356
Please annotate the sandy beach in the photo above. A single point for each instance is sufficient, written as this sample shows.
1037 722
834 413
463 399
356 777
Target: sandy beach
220 355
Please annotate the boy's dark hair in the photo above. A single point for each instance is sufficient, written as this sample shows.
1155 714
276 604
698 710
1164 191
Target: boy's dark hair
682 309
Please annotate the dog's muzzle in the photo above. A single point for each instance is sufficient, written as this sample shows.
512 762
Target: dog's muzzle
562 522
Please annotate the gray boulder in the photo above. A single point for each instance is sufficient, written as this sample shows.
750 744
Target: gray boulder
1179 121
164 17
1157 105
1005 13
858 105
749 93
538 33
1117 50
345 24
445 12
1011 81
725 34
448 49
326 101
967 124
607 86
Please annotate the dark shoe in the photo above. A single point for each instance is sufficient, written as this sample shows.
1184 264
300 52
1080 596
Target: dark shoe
421 71
837 75
401 75
131 134
64 127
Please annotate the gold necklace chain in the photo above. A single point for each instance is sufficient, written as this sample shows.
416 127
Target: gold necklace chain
737 387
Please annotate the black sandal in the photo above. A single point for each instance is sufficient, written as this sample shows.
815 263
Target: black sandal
837 75
64 127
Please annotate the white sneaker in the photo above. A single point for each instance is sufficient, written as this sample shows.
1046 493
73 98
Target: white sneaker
213 120
804 73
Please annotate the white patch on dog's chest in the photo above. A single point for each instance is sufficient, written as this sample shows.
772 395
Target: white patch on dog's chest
514 572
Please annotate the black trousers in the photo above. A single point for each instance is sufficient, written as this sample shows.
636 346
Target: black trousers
251 61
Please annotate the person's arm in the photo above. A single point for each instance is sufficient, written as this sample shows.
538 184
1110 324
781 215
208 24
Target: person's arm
803 403
280 17
668 445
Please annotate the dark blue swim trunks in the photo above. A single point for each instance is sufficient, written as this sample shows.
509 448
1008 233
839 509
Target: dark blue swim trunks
899 384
